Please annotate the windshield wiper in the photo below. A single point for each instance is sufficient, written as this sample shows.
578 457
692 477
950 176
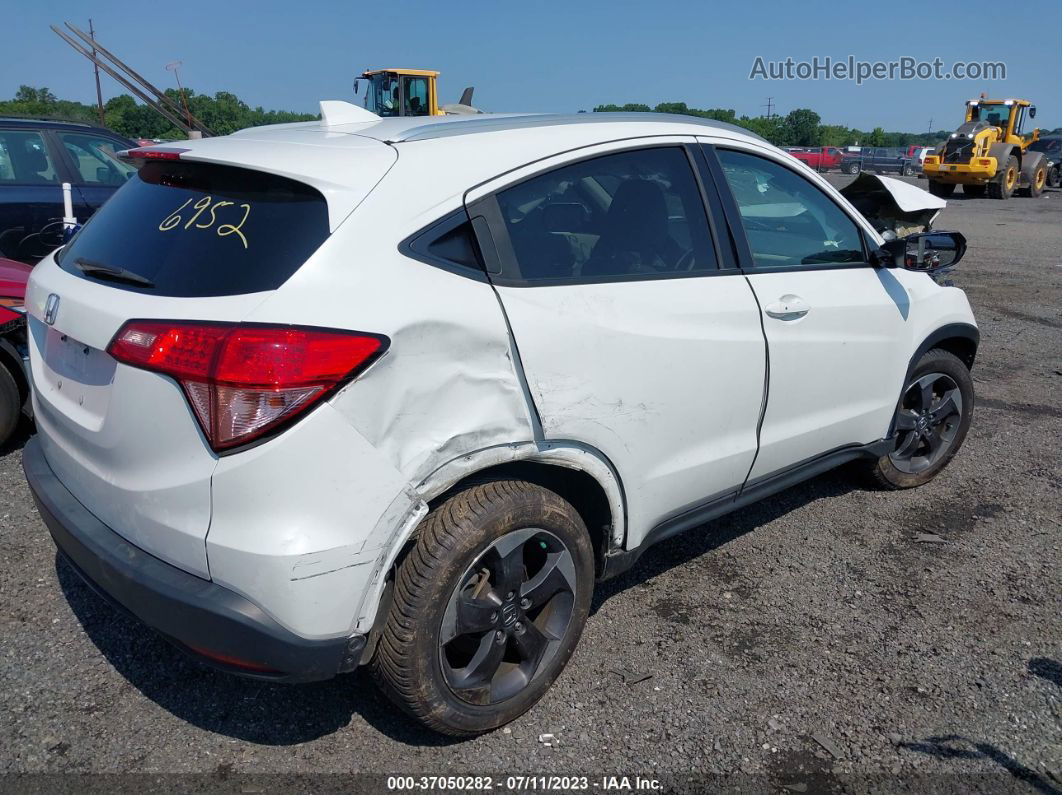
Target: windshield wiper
110 273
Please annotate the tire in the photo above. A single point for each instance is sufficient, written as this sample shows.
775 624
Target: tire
1053 177
10 404
941 189
851 168
480 550
1002 185
908 170
939 379
1038 181
974 191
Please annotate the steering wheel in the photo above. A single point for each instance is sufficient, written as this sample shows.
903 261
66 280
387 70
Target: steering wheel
686 261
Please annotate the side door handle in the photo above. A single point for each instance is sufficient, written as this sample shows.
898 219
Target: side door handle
788 307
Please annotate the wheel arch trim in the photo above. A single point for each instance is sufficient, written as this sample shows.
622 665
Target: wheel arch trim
558 453
964 333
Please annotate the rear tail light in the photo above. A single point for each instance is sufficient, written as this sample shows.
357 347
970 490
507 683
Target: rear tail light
243 381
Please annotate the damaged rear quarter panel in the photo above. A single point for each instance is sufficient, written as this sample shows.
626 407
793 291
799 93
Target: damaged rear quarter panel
447 385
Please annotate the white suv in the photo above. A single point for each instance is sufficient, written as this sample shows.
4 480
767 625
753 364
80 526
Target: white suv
398 391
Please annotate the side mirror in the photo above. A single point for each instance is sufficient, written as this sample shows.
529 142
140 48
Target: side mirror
1032 112
925 251
357 85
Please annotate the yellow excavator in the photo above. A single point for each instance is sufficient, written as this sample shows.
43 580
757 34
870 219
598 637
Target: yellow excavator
409 92
988 154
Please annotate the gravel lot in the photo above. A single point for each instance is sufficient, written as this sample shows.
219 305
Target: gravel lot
810 642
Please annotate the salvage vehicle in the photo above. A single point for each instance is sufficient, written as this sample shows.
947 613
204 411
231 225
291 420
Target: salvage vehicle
399 391
880 159
989 154
820 158
1051 148
36 158
14 384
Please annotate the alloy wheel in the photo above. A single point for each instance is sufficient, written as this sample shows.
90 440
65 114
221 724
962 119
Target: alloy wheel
926 422
507 616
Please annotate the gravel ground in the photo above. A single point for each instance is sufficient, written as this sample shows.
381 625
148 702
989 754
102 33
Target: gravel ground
810 642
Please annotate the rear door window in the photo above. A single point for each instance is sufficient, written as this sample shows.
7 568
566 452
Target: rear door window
630 215
196 230
95 159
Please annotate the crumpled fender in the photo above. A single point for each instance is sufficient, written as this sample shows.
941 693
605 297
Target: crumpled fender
892 205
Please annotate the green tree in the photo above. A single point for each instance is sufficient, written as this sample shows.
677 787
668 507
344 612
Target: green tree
802 127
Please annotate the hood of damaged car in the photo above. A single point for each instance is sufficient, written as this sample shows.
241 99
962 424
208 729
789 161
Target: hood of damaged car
893 207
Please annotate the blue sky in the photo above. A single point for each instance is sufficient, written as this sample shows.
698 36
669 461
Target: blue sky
555 56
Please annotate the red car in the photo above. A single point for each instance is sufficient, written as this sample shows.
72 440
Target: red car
14 388
820 158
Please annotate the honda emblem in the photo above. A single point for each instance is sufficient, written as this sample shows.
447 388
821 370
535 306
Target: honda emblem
51 309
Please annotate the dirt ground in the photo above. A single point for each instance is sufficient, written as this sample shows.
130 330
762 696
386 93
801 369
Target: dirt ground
811 643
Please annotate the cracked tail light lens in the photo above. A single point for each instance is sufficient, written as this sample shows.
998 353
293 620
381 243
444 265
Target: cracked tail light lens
245 381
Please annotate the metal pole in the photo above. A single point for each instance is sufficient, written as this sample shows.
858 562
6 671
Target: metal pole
99 93
175 120
162 98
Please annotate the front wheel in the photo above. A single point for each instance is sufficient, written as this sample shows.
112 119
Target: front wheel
930 424
851 168
908 170
488 607
1053 178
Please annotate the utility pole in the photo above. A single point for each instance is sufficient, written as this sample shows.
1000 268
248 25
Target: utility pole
769 105
99 93
930 125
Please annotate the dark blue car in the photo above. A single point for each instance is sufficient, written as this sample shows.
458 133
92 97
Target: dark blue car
36 158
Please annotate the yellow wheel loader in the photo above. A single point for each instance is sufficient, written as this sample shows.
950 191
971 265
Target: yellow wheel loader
988 154
409 92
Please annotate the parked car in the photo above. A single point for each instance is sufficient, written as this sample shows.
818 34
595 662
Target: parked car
403 401
881 160
36 157
820 158
1051 146
14 384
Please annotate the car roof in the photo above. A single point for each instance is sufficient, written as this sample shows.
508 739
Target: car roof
461 151
423 128
54 124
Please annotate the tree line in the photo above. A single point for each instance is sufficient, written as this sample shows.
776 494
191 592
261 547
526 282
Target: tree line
800 127
223 113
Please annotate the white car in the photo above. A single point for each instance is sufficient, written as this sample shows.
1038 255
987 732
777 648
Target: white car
399 391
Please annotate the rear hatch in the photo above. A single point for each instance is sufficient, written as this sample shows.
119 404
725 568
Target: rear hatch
182 240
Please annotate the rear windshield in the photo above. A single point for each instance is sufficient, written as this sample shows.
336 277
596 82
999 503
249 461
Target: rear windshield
197 230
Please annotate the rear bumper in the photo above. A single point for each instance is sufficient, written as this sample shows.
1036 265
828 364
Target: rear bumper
217 625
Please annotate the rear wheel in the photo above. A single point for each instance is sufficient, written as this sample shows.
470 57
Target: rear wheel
974 191
488 607
1038 181
942 189
851 168
1003 184
10 404
930 424
908 170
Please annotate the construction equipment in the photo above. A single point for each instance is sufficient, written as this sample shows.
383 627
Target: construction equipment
409 92
988 154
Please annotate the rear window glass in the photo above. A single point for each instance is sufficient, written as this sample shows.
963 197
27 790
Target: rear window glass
197 230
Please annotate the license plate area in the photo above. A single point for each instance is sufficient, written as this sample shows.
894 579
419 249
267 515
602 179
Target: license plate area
76 378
